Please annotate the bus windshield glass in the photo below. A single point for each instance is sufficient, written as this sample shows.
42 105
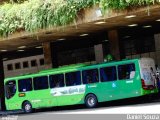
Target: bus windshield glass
10 89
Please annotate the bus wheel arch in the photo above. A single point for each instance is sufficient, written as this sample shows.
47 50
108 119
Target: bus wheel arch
27 106
91 100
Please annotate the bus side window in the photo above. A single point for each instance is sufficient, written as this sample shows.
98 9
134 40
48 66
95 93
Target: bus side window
90 76
56 80
40 83
108 74
73 78
126 71
10 89
25 85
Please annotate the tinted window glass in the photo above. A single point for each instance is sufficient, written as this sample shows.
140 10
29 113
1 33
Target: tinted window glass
40 83
108 74
41 61
126 71
25 85
33 63
56 80
90 76
17 65
10 88
25 64
10 67
73 78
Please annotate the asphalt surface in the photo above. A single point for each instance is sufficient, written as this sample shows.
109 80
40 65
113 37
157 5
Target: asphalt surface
133 105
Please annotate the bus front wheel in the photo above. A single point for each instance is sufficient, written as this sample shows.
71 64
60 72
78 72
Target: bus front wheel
91 101
27 107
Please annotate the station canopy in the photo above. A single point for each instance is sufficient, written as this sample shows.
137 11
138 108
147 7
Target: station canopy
68 19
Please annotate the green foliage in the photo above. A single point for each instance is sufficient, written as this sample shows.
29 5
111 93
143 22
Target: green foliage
124 4
33 15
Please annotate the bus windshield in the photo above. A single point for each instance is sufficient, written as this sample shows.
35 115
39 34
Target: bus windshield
10 89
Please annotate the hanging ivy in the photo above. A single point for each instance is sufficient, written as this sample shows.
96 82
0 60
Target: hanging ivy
33 15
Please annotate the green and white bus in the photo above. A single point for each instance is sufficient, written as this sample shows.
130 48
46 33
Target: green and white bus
81 84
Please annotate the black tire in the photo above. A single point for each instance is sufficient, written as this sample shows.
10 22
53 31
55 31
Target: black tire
27 107
91 101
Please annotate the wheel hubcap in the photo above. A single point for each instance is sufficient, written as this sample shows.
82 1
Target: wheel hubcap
27 107
91 101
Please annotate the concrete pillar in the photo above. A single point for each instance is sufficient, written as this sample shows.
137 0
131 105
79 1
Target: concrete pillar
47 55
114 43
99 53
54 53
157 48
2 93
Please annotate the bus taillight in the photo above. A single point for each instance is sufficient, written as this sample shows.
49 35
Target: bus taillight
147 87
143 84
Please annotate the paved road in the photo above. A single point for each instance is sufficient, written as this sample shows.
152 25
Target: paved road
136 107
129 106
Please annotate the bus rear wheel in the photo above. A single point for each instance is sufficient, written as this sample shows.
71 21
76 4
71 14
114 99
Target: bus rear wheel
91 101
27 107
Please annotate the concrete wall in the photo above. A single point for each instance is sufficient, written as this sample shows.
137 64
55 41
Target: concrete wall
150 54
157 47
28 70
99 53
155 55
